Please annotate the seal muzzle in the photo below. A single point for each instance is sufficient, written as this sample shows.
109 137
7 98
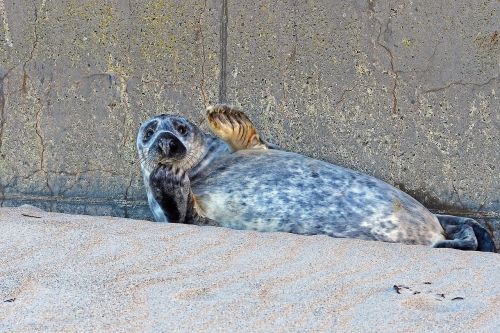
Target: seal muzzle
169 146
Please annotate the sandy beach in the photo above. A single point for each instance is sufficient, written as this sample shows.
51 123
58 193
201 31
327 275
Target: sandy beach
80 273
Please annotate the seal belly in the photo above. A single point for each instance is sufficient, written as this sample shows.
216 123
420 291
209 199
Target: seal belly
273 190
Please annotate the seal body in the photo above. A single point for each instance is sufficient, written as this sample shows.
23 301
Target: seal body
273 190
235 179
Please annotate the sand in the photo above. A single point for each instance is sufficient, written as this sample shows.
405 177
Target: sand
79 273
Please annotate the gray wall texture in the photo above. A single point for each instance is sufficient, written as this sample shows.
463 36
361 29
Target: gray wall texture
405 91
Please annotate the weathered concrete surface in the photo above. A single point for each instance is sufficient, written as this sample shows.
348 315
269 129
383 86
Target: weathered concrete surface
407 92
78 77
80 273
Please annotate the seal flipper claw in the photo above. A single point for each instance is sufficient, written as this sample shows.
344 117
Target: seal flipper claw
234 127
465 234
196 214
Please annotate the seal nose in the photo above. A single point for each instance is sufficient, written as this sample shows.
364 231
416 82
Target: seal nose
170 146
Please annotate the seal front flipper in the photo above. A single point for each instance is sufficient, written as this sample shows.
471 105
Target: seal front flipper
234 127
465 234
172 191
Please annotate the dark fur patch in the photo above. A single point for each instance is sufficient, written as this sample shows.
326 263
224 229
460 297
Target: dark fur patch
169 190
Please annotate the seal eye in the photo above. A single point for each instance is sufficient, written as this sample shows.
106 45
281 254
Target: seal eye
182 129
148 133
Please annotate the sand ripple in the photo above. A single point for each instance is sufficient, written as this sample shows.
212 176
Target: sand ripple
81 273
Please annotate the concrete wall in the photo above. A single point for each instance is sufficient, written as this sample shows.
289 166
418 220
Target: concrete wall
405 91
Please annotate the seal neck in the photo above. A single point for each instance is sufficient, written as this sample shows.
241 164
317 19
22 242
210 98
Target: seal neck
213 148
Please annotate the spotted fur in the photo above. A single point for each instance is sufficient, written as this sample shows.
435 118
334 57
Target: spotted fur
273 190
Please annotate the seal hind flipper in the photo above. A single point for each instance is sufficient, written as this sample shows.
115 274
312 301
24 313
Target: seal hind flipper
234 127
465 234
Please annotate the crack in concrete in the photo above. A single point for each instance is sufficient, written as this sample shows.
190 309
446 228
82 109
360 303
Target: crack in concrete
295 34
2 112
129 3
428 62
203 55
35 43
371 8
342 96
395 73
223 53
289 65
3 101
481 206
38 131
449 85
460 83
38 116
458 196
75 174
79 173
109 76
127 119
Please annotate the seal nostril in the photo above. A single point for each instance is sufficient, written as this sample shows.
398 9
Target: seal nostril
176 148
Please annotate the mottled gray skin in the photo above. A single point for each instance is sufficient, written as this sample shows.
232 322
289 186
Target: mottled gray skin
274 190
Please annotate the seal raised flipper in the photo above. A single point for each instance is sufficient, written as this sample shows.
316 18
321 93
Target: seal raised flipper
234 127
465 234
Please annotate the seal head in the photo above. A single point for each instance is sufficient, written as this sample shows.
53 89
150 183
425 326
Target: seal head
173 146
169 140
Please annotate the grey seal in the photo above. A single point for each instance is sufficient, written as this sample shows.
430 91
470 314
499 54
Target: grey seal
233 178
